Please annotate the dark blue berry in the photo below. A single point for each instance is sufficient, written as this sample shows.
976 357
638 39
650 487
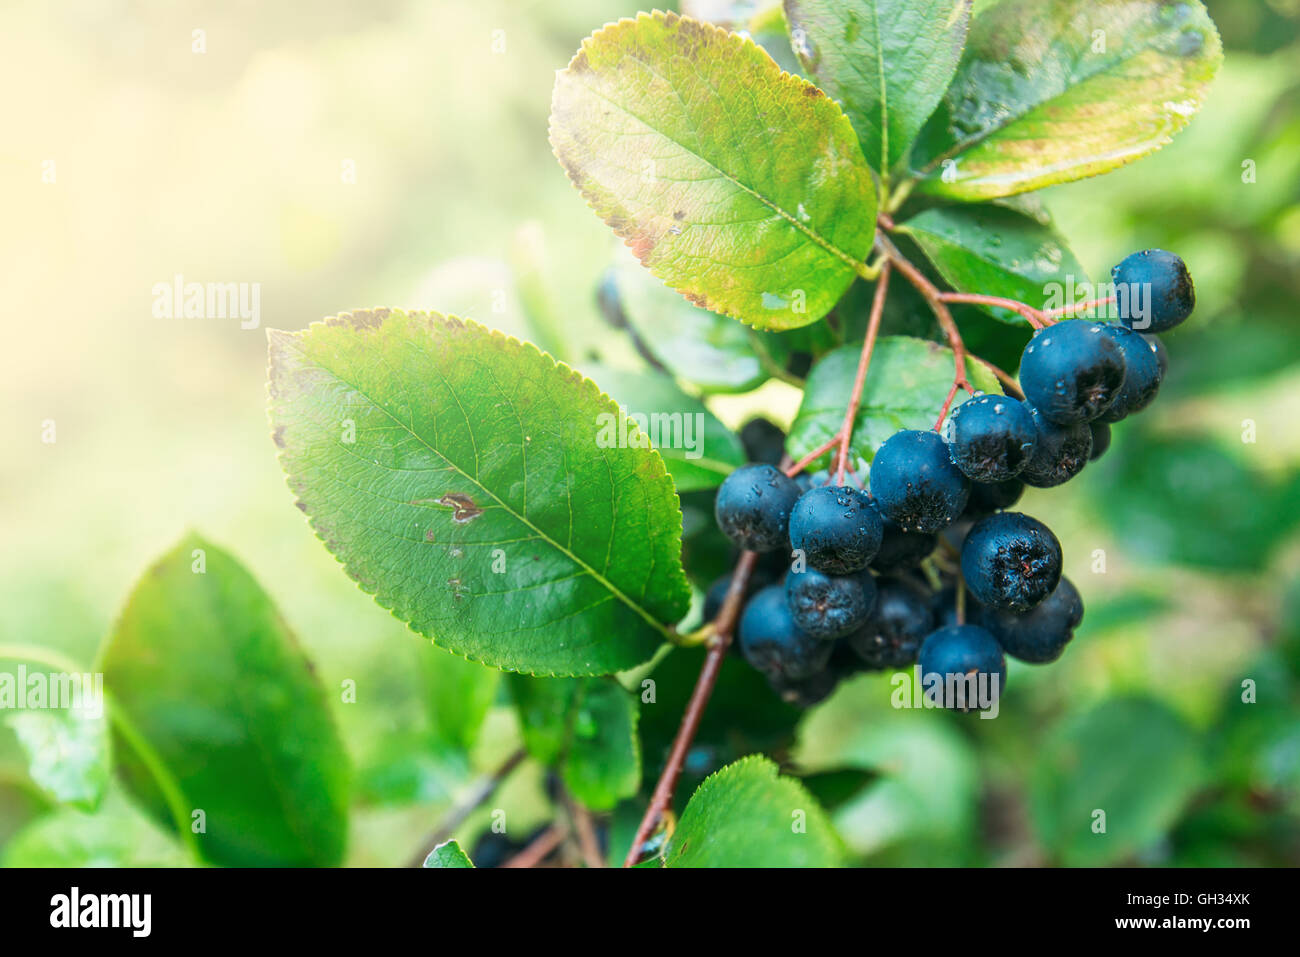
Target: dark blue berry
753 507
763 441
1162 354
828 606
772 643
1071 372
900 550
1100 439
990 437
1010 560
1060 455
1040 634
989 497
1153 290
893 634
836 528
1142 373
915 483
962 668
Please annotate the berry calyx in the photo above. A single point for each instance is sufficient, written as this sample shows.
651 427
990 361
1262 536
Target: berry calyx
753 507
828 606
1071 372
836 528
990 437
915 483
1010 560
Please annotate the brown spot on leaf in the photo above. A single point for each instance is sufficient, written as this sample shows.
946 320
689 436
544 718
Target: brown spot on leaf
812 91
302 506
277 436
679 215
464 507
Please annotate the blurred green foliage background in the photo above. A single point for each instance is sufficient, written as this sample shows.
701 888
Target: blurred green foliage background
227 166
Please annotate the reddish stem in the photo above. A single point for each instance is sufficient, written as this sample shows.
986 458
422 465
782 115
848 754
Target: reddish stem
864 361
814 455
1036 317
1078 307
723 626
540 848
941 312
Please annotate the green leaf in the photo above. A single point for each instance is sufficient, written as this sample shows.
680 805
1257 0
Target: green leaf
997 252
117 835
747 815
695 345
740 186
888 63
905 387
926 792
457 695
203 669
1050 91
1146 486
67 752
1131 758
448 854
585 727
698 450
477 489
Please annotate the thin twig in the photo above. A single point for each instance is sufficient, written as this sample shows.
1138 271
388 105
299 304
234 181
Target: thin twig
935 298
1006 380
1076 308
1036 317
540 848
482 790
724 625
588 843
864 361
812 456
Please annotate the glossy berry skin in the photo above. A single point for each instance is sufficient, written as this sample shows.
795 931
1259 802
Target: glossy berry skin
900 550
973 657
1071 372
1060 455
772 643
753 507
828 606
1010 560
1162 354
1100 439
989 497
915 483
893 634
763 441
1142 373
1040 634
990 437
836 528
1153 290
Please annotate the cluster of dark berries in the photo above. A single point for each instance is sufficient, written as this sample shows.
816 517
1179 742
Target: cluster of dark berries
852 595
